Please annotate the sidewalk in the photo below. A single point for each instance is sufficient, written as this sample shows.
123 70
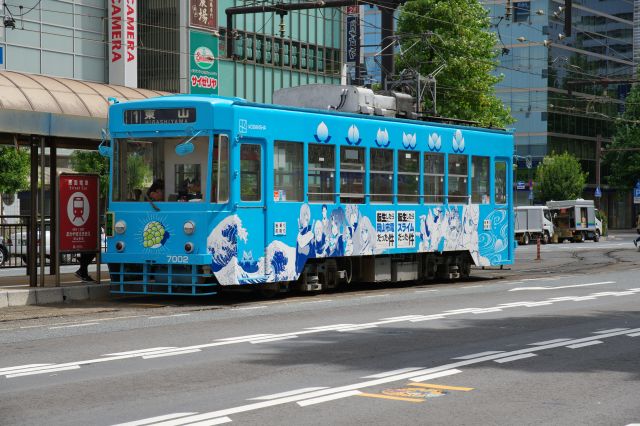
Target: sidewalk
15 291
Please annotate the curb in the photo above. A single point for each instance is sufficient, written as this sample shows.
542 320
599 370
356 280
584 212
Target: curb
47 295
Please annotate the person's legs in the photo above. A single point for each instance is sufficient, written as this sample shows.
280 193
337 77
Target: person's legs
84 260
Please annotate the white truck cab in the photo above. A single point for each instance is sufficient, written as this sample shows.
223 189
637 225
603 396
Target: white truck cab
533 222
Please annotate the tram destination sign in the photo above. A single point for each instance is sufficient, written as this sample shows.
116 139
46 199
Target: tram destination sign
160 116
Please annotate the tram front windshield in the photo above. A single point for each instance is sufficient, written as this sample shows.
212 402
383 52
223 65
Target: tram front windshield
149 169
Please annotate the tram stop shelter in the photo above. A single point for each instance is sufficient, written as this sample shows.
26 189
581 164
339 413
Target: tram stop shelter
46 113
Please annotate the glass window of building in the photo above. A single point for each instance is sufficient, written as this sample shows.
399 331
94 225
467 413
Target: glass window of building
501 182
433 178
288 163
480 180
220 170
381 175
250 172
521 11
458 175
408 176
322 172
352 174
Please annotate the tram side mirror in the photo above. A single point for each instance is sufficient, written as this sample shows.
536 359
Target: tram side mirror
103 148
184 148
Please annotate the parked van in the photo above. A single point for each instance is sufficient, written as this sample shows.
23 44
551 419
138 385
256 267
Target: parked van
575 220
533 222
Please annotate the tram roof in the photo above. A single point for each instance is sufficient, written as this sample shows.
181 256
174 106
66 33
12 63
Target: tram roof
229 101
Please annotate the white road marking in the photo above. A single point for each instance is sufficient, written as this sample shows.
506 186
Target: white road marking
330 327
155 419
613 330
173 353
141 351
403 318
582 345
328 398
74 325
562 286
272 339
359 327
21 367
391 373
514 358
460 311
45 371
288 393
376 295
633 334
424 291
212 422
427 318
249 308
487 310
240 338
478 355
435 375
548 342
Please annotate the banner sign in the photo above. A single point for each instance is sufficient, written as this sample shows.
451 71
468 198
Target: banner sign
203 14
1 55
203 68
123 43
78 213
353 39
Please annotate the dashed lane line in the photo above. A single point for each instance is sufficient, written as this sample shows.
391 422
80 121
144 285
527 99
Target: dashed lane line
514 358
582 345
150 420
326 398
288 393
84 324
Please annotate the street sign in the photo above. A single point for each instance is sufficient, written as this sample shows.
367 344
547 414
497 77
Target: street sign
1 55
78 213
520 185
598 192
636 195
531 195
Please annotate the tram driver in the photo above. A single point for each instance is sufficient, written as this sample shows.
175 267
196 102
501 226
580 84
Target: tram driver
156 190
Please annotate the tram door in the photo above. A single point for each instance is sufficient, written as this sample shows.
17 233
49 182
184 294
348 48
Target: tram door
252 205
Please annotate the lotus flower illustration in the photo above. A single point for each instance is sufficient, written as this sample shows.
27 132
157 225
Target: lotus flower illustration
435 142
353 137
382 138
458 141
409 140
322 133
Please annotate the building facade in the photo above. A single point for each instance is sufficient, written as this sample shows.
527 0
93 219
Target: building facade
566 77
173 45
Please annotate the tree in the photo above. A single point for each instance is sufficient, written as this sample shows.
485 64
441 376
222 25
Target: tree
14 169
623 154
138 173
454 33
92 162
559 177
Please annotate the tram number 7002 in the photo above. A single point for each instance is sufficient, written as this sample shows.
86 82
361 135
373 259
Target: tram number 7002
177 259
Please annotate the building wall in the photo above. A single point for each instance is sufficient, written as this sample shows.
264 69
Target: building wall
58 38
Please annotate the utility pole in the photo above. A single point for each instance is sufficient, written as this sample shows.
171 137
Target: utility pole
598 161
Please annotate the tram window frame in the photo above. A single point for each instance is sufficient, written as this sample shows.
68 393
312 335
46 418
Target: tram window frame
245 172
434 177
325 154
500 182
380 175
293 168
350 171
460 163
480 166
220 175
413 173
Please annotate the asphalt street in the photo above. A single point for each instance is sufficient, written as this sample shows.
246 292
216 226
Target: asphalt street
546 342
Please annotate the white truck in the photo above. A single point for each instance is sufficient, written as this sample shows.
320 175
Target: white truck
575 220
533 222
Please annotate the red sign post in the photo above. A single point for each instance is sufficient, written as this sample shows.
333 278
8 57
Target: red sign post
78 213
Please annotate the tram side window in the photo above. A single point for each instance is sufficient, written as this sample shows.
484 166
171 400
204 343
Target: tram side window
220 170
250 172
408 176
287 171
480 180
352 174
381 175
433 178
322 172
458 175
501 182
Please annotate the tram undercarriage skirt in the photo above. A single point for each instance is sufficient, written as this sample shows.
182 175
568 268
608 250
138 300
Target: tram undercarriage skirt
148 278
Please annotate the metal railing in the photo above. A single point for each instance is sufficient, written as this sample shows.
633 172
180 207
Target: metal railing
14 243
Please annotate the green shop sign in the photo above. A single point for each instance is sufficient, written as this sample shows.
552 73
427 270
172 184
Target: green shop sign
203 68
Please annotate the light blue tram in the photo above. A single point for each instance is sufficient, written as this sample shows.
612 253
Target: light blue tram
209 191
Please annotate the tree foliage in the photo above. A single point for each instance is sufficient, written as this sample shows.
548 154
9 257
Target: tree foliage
623 154
455 33
92 162
14 169
559 177
139 173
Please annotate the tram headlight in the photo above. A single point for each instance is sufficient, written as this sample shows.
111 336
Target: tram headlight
120 246
189 227
120 227
188 247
